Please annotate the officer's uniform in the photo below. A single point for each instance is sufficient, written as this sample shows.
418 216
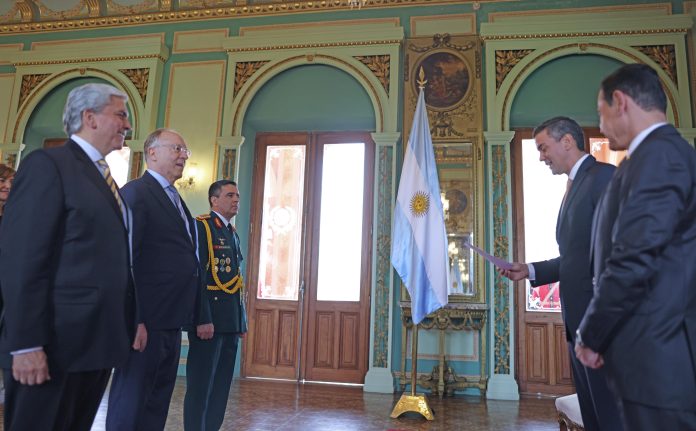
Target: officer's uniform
210 364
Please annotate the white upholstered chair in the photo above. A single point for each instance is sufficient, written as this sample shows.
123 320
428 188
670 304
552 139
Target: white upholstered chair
569 417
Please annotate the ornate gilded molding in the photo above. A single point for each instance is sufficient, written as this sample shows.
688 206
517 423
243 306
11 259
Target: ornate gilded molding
147 5
89 60
586 34
11 159
380 344
663 56
77 11
243 71
379 65
505 60
584 47
228 160
57 76
139 78
313 45
29 83
443 41
20 7
242 9
379 112
501 296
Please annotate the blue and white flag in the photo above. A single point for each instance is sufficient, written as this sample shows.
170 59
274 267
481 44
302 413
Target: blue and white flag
419 240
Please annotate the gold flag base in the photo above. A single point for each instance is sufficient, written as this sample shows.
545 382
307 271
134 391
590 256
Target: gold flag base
412 403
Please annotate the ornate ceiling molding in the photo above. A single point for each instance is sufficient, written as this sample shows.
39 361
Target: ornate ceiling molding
68 20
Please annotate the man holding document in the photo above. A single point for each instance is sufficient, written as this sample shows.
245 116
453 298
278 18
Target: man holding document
560 142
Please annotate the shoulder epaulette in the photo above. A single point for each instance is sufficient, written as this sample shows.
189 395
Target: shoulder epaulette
203 217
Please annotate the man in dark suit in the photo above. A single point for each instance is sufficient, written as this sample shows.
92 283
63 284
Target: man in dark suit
167 278
560 142
65 271
222 317
641 322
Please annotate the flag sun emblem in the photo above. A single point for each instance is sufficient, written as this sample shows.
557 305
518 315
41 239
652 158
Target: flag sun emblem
420 202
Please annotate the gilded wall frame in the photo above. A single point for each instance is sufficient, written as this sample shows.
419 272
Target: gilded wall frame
452 67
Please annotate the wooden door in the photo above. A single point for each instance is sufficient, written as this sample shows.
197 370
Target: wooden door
543 364
301 260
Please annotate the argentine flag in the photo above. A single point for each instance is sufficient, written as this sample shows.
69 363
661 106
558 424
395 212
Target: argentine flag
419 240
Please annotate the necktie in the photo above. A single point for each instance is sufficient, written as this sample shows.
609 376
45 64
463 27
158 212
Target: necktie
106 172
569 184
230 228
176 200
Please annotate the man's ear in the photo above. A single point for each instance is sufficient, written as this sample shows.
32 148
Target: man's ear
88 119
567 141
619 100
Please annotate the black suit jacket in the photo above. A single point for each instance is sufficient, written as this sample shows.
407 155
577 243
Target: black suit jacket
164 256
573 230
64 266
643 313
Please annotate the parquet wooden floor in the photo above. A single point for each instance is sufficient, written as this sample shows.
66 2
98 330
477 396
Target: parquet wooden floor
257 405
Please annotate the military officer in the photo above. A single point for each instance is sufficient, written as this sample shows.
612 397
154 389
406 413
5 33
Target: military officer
222 317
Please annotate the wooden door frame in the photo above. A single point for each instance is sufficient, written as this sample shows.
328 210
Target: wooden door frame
310 228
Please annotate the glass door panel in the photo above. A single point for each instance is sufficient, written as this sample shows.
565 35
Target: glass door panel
281 229
543 194
341 225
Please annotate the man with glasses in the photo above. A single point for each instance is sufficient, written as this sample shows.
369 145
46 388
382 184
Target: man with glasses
167 275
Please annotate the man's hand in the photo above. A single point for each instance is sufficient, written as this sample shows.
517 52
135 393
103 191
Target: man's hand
205 331
519 271
588 357
140 341
30 368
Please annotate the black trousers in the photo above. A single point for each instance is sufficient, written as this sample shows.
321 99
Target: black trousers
598 405
67 402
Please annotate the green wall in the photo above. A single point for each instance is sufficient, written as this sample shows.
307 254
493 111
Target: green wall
566 86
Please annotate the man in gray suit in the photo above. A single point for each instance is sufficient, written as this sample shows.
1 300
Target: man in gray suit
641 323
560 142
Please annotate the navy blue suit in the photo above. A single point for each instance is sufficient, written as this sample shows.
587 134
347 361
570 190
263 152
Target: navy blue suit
167 278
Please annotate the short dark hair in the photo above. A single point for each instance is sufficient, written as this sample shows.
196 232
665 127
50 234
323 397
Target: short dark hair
557 127
6 171
214 189
638 81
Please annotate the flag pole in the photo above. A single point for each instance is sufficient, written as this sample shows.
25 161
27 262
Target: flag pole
417 403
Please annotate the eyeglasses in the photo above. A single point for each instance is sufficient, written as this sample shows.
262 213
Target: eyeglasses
179 149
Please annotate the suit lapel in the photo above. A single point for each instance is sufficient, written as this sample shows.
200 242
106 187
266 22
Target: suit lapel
577 185
163 199
94 176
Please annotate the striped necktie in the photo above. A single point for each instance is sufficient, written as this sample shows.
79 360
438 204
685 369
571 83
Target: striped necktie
106 172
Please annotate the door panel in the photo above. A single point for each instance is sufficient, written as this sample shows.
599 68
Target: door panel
310 271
